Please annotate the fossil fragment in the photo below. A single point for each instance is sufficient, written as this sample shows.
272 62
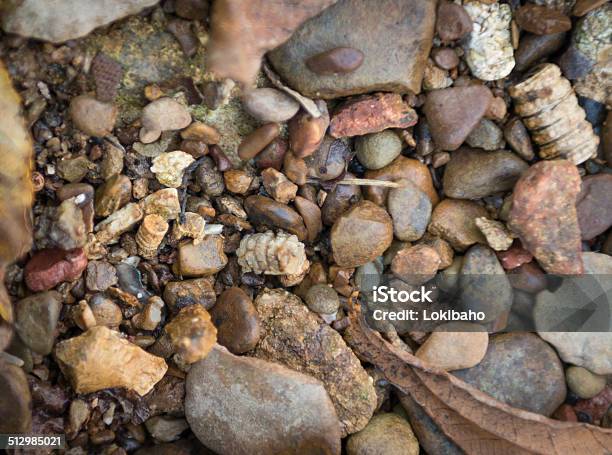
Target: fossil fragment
150 235
280 254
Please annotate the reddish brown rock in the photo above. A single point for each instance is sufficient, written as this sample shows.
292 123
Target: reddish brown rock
306 132
541 20
340 60
544 215
515 256
47 268
370 114
272 155
452 22
415 265
237 321
258 140
594 205
265 211
311 213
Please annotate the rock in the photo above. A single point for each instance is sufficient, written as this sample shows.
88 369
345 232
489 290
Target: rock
295 169
401 168
445 57
151 315
445 251
474 174
515 256
452 22
257 141
237 321
112 162
74 169
163 114
410 209
278 186
83 195
293 336
449 350
192 10
518 138
168 397
495 232
541 20
311 214
112 195
47 268
584 383
209 178
97 360
66 19
91 116
484 286
199 131
199 291
386 433
455 221
361 234
268 212
533 48
164 202
338 201
105 311
100 276
36 320
486 135
269 105
533 375
452 113
192 333
166 429
68 229
371 114
237 180
543 214
185 36
224 408
15 400
322 299
340 60
529 278
205 258
435 78
124 219
169 167
415 265
377 150
594 205
329 161
389 65
306 133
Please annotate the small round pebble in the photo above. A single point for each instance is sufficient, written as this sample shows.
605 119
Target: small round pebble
270 105
584 383
377 150
322 299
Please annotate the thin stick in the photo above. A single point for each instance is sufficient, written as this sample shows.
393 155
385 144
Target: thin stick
370 182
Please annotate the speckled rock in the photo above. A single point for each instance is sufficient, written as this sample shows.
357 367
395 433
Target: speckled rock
386 433
410 209
594 205
486 135
454 221
49 267
377 150
293 336
322 299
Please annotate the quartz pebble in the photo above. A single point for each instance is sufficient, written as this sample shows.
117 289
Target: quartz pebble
269 105
105 311
192 333
93 117
169 167
237 321
386 433
36 319
377 150
47 268
445 57
340 60
163 114
415 265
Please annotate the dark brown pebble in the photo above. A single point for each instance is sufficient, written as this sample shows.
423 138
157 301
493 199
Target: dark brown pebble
221 160
338 201
528 277
330 160
272 155
541 20
453 22
341 60
258 140
194 148
237 321
265 211
534 48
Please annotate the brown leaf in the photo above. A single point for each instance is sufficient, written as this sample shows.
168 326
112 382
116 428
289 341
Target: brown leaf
473 420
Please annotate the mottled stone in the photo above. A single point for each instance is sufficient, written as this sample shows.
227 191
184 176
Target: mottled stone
454 221
594 205
486 135
410 209
192 333
268 212
415 265
199 291
386 433
452 21
377 150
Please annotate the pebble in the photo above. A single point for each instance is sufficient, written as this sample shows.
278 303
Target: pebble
435 77
74 169
166 429
105 311
584 383
495 232
541 20
96 360
497 110
91 116
204 259
361 234
311 214
112 195
164 202
258 140
267 212
445 57
529 278
15 400
415 265
151 315
329 161
534 48
295 169
452 22
518 138
390 65
237 180
486 135
185 36
202 132
594 205
83 195
371 114
278 186
68 229
533 375
168 397
221 160
338 201
387 433
100 276
543 215
377 150
196 149
401 168
36 319
192 333
443 248
269 105
454 346
454 221
475 174
163 114
49 267
77 416
199 291
237 321
292 336
515 256
410 209
112 162
209 178
453 113
169 167
155 148
224 394
124 219
306 132
322 299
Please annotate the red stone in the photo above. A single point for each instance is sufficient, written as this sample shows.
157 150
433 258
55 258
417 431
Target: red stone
597 406
47 268
565 413
515 256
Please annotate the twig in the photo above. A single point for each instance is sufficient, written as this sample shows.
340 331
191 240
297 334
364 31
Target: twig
364 182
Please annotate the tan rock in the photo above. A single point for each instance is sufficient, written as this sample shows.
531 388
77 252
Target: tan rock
416 265
192 333
454 221
498 237
237 180
278 186
205 258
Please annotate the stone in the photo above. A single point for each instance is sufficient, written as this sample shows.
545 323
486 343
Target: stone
518 138
237 321
410 210
268 212
474 174
209 178
311 214
329 161
183 32
594 205
100 276
91 116
15 400
415 265
452 21
202 132
112 162
455 221
36 319
199 291
541 20
168 397
192 333
66 19
258 140
371 114
293 336
543 214
361 234
445 251
295 168
515 256
164 202
495 232
322 299
47 268
169 167
269 105
377 150
163 114
445 57
533 375
450 350
237 180
486 135
306 133
166 429
97 360
386 433
452 113
273 155
584 383
112 195
105 311
151 315
389 65
401 168
534 48
205 258
340 60
225 411
124 219
435 77
338 201
74 169
69 227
